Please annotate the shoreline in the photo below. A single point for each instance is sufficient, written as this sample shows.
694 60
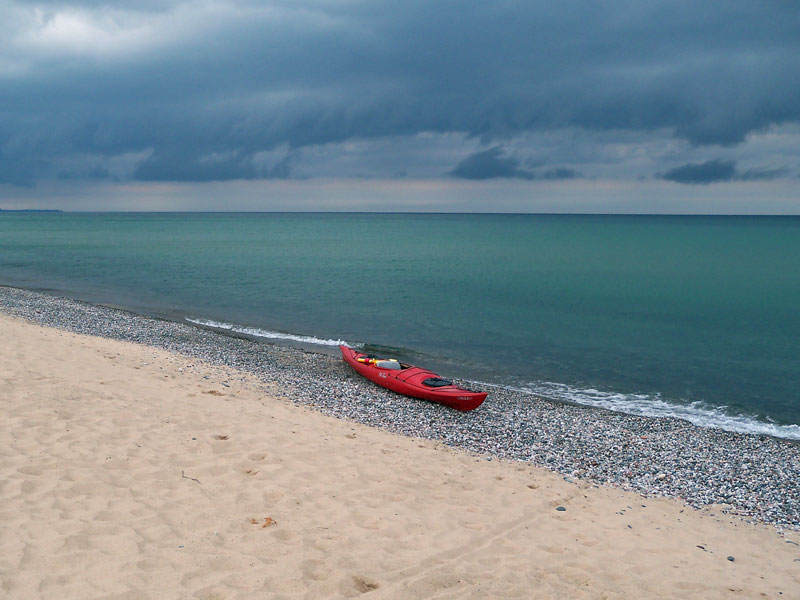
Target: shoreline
707 414
751 476
128 471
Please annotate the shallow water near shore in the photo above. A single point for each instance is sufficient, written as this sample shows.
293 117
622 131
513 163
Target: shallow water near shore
686 316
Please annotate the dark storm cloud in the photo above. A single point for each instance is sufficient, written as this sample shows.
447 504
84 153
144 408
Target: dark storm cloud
711 171
204 88
494 164
189 167
561 173
162 166
87 173
490 164
762 174
20 170
715 171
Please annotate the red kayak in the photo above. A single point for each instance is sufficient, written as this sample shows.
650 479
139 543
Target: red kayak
411 381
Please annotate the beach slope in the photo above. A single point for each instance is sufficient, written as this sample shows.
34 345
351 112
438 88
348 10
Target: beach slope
130 472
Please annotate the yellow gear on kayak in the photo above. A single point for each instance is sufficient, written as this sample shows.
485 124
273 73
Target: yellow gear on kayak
380 362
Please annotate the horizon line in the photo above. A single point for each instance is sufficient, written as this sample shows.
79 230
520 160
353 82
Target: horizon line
397 212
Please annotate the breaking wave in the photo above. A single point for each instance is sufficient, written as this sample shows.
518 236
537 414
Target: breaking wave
646 405
649 405
264 333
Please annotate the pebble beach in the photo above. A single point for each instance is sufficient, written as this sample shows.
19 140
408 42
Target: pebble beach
753 477
144 458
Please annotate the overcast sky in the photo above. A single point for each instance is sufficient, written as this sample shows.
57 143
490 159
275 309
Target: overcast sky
572 106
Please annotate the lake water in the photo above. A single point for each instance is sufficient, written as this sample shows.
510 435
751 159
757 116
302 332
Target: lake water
689 316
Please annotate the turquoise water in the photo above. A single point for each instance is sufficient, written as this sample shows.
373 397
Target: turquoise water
660 315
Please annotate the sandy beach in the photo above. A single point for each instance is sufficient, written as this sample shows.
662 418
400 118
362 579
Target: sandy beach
131 472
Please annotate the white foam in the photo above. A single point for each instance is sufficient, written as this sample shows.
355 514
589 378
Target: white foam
649 405
264 333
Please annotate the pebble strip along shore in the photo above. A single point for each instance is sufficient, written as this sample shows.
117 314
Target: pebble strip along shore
753 476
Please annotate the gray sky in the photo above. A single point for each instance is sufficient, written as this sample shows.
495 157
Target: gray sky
575 106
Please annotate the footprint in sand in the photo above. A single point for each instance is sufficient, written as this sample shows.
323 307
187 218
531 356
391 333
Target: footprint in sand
357 585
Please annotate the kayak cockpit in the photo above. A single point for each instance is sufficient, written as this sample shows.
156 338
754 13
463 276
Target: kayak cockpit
436 382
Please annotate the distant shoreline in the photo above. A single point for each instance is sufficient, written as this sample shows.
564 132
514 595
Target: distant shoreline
30 210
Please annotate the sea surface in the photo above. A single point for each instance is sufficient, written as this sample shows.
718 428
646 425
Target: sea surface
689 316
